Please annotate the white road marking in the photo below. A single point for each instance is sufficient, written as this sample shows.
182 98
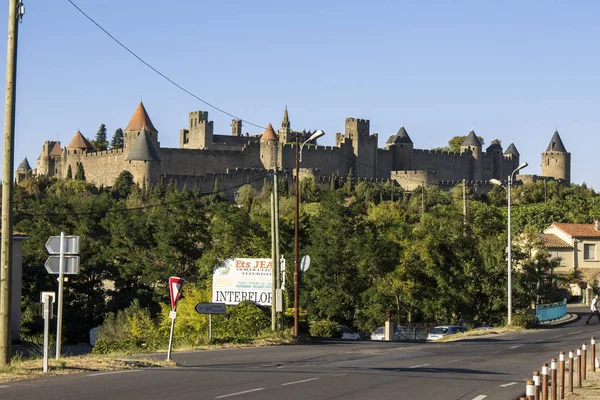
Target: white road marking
508 384
5 386
302 381
517 346
537 341
339 375
451 361
480 397
556 337
115 372
238 393
419 366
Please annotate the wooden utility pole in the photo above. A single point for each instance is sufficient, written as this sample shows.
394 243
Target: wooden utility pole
15 11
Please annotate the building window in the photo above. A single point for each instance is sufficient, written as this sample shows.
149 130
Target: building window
589 251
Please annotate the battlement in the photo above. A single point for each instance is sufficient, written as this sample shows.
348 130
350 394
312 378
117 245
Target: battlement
441 153
99 154
199 115
357 121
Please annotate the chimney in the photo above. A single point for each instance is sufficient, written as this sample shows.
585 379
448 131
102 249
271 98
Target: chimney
597 225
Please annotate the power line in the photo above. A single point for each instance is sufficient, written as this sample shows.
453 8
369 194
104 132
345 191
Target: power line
157 71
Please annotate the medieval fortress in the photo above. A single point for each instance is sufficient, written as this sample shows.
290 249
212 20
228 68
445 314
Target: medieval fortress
204 158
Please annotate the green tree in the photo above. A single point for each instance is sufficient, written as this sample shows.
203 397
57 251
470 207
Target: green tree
100 143
117 139
80 174
69 172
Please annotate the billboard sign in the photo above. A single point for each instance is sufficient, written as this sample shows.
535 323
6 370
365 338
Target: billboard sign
238 279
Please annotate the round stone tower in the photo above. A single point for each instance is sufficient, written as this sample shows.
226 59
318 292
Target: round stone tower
556 161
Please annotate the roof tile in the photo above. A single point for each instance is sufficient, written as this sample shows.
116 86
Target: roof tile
139 120
578 230
553 241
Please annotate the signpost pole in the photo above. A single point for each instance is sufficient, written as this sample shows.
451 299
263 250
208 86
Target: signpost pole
47 314
209 327
59 311
171 335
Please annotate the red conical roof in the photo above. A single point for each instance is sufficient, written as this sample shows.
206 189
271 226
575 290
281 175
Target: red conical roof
56 150
79 142
139 120
269 134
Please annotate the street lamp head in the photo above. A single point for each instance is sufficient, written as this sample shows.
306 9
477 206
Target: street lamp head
520 167
315 135
495 182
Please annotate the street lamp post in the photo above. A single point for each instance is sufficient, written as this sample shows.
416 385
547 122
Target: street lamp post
509 248
314 136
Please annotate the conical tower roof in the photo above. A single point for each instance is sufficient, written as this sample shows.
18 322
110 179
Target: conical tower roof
512 150
56 150
400 137
556 144
25 165
143 149
269 134
471 140
79 142
495 145
139 120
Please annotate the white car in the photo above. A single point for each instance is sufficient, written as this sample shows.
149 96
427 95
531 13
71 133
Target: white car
377 333
443 330
348 334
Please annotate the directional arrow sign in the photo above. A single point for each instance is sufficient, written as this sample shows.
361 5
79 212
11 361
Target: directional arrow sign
210 308
71 266
71 245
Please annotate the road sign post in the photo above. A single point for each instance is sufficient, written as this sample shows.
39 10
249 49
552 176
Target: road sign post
175 286
65 263
47 299
210 309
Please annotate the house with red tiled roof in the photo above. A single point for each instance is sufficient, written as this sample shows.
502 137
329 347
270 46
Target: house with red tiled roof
578 246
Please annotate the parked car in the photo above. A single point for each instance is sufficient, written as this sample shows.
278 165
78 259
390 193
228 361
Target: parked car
400 333
348 333
377 333
443 330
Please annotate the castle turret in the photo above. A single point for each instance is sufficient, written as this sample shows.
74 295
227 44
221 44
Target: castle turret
139 120
144 161
494 151
199 134
556 161
364 145
23 170
268 148
236 127
473 145
402 147
79 144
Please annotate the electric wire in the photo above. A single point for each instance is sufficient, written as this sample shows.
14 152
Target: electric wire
157 71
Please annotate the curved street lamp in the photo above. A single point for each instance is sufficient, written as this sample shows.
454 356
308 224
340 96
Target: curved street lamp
299 148
509 256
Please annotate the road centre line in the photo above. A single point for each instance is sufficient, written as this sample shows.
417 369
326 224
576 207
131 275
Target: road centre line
115 372
238 393
480 397
556 337
508 384
333 376
419 366
302 381
5 386
537 341
517 346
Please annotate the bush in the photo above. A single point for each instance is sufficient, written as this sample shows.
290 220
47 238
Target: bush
524 318
324 328
132 328
242 321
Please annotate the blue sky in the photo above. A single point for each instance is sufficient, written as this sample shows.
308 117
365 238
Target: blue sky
512 70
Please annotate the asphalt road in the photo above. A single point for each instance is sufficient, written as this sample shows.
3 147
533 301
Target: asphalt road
491 367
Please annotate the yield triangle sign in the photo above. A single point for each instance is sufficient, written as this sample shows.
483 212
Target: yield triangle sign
175 285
